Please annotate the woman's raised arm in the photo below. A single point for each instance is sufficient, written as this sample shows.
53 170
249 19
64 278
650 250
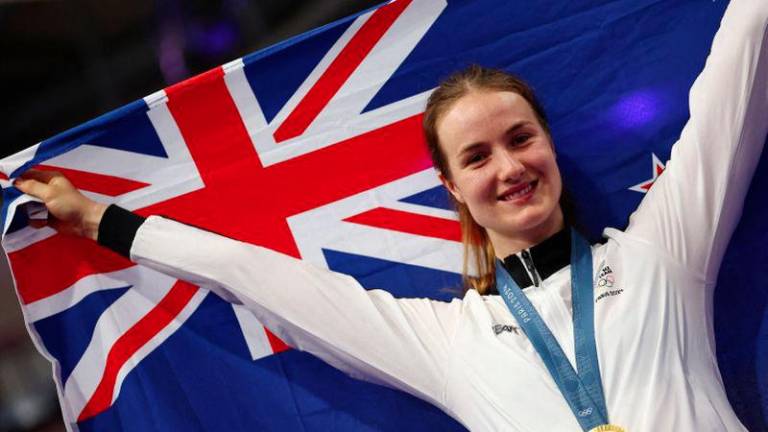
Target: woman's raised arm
694 206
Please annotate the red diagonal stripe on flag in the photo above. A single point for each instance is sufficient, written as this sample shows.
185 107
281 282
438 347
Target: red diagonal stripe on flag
411 223
50 266
275 342
339 71
99 183
132 340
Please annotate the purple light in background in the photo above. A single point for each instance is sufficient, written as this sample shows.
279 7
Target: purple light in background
213 39
635 109
171 55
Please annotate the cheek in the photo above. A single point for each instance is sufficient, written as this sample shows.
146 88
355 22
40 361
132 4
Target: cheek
477 186
545 163
556 182
555 173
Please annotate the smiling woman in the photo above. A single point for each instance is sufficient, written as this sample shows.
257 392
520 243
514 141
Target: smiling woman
501 165
491 144
489 139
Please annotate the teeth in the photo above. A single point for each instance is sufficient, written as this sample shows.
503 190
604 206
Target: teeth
519 193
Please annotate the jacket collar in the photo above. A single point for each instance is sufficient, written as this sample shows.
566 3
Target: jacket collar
543 259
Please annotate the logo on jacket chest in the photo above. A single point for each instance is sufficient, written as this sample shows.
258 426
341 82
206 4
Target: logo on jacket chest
501 328
605 284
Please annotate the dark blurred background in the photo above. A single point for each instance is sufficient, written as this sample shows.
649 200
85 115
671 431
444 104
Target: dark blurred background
65 62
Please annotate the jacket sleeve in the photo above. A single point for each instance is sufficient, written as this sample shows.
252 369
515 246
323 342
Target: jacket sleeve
401 343
694 206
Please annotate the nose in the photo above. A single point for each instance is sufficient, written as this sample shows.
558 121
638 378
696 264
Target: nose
509 166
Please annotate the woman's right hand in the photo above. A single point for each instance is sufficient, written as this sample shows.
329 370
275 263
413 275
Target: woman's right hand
69 211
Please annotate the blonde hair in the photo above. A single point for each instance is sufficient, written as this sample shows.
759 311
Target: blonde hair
478 250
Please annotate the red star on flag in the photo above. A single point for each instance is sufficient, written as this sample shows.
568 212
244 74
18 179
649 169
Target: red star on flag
645 186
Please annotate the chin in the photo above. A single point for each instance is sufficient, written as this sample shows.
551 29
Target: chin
530 220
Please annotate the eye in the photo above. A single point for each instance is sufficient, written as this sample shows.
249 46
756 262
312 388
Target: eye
475 158
521 138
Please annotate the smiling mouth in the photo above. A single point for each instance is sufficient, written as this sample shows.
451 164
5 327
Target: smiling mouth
517 193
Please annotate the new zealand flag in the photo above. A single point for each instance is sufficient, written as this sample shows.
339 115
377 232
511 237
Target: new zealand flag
313 148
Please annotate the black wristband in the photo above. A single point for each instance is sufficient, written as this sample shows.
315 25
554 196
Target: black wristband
117 229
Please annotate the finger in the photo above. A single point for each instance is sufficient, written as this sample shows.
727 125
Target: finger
44 176
33 187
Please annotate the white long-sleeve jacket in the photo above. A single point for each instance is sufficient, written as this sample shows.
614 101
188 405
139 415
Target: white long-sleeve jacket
654 286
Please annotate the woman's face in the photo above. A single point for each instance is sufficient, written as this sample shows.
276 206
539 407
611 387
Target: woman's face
502 166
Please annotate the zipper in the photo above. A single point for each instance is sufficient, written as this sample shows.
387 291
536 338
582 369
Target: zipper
528 261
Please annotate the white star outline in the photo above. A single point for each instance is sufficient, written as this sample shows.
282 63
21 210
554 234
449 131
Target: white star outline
657 168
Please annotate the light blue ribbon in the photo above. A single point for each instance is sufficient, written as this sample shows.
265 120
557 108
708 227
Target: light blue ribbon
583 390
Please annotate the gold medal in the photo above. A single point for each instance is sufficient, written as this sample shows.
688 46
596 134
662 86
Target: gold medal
608 427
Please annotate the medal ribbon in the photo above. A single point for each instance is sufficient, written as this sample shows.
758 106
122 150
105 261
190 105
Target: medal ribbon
583 390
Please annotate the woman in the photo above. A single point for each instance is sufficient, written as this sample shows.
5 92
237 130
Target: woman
650 285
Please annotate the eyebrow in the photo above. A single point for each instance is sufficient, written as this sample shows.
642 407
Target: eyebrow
512 129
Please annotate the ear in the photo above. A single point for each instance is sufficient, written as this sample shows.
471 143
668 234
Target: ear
451 186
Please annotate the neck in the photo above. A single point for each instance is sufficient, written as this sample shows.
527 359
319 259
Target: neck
508 244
